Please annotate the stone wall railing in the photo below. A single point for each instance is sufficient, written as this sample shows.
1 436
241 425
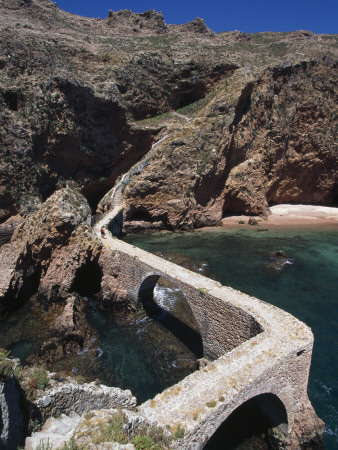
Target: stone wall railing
73 397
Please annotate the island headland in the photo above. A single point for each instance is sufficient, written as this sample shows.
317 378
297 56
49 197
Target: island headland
159 127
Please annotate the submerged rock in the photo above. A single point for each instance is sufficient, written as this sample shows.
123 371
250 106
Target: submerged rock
278 261
252 221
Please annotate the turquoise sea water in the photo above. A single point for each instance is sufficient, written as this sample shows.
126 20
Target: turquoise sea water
307 288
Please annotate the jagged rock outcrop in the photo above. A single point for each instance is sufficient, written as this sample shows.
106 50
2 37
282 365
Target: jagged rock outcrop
48 252
275 143
196 26
126 21
71 88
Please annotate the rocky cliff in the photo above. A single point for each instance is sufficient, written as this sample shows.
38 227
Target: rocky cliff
276 143
82 100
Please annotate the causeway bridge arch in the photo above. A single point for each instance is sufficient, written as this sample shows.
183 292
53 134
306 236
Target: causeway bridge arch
256 351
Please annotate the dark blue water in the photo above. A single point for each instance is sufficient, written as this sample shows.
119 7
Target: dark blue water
308 288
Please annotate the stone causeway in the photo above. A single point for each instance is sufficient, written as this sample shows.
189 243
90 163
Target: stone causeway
257 351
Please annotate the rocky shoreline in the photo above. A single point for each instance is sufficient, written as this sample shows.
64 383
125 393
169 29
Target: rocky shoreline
240 121
50 257
288 216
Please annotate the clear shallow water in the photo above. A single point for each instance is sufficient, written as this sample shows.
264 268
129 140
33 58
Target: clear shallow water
307 288
130 351
140 354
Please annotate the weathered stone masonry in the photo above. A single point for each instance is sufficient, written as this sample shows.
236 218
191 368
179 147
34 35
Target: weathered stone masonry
258 349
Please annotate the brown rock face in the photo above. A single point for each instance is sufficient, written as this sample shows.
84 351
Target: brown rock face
69 332
49 253
282 146
274 144
72 87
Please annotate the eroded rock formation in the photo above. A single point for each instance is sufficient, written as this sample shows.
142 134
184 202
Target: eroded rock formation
47 251
274 144
79 100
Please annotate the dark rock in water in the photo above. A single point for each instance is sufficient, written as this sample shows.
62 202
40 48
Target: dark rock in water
69 333
12 423
252 221
278 261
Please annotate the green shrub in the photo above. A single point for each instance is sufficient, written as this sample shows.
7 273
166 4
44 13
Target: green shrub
203 291
178 434
143 442
43 446
211 404
113 431
41 378
6 365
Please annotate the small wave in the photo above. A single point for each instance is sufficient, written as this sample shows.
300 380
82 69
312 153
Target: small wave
326 388
289 261
83 351
165 297
331 432
99 352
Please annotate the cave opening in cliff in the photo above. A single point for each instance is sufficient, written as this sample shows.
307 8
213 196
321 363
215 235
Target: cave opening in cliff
252 425
187 98
164 302
139 214
12 99
29 286
87 280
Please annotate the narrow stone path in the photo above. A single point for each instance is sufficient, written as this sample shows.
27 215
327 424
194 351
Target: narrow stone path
116 198
55 432
188 119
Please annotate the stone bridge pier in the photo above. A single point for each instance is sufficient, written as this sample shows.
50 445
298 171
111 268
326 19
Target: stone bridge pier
259 365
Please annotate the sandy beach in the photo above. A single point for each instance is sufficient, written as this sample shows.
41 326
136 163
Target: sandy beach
290 216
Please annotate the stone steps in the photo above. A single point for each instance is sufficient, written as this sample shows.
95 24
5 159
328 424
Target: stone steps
55 432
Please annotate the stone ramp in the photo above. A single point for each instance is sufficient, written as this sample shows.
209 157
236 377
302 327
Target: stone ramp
55 432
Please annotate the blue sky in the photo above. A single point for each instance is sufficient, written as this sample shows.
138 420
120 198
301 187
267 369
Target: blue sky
319 16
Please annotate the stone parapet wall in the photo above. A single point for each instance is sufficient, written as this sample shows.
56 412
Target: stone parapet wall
222 325
79 398
257 348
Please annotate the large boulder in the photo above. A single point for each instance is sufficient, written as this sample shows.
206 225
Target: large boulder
48 250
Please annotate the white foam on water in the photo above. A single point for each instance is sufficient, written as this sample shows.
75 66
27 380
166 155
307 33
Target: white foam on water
83 351
165 297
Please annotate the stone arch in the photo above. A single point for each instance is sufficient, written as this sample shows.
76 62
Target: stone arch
187 332
262 415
